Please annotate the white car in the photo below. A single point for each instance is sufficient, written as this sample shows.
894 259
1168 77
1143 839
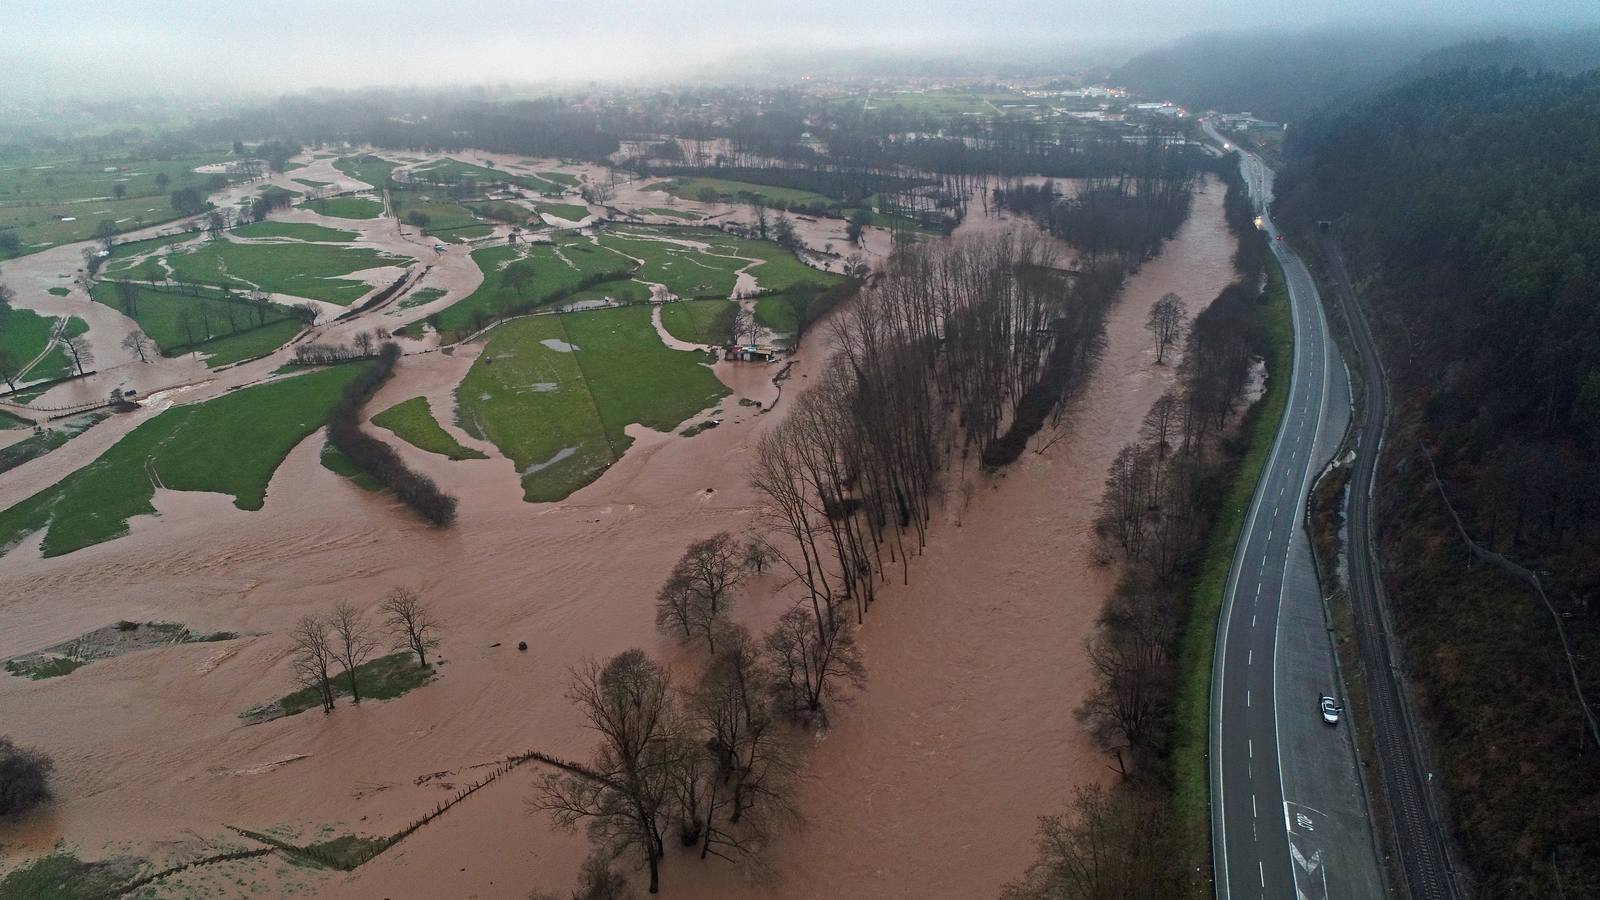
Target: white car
1330 710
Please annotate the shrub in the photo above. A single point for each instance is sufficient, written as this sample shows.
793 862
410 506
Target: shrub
24 777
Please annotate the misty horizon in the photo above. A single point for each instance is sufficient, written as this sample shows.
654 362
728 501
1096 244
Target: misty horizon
78 50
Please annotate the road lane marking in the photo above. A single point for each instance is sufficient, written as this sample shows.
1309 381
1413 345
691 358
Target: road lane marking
1250 657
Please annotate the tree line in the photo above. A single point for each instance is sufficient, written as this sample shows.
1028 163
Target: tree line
1162 497
377 458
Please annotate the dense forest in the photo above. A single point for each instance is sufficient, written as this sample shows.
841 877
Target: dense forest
1466 202
1284 77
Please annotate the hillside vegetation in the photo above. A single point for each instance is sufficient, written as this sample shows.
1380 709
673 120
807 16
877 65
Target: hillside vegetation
1466 202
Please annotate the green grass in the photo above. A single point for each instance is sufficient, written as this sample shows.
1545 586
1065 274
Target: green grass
8 420
699 321
300 231
366 168
40 669
620 290
24 333
739 192
347 851
159 313
421 297
1191 777
230 445
553 273
537 403
451 171
500 211
250 343
572 212
447 219
673 213
778 314
301 270
62 876
561 178
414 423
312 183
346 207
58 291
685 271
384 678
334 460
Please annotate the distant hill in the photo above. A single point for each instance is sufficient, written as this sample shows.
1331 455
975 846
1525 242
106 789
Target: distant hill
1465 200
1285 75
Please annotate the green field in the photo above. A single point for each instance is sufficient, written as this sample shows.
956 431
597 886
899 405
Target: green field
684 270
367 168
447 219
420 297
384 678
552 273
561 416
24 334
501 211
357 207
673 213
414 423
725 191
310 183
300 231
780 270
227 329
699 321
452 171
572 212
560 178
301 270
230 445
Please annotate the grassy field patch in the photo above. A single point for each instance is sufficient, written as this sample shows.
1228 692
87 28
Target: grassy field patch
181 321
346 207
673 213
24 333
384 678
300 231
230 445
414 423
311 183
421 297
334 460
63 876
684 271
571 212
447 219
556 393
302 270
699 321
726 191
549 271
561 178
39 669
368 168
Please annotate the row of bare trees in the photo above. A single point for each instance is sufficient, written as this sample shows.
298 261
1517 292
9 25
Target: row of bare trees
1161 499
333 646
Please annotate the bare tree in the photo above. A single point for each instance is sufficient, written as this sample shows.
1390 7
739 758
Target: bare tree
623 794
756 556
352 642
752 764
1117 843
363 343
78 346
410 622
1162 422
127 297
1166 323
696 595
138 344
810 654
9 369
596 881
314 658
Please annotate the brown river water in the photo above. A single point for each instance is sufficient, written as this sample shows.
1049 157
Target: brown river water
928 785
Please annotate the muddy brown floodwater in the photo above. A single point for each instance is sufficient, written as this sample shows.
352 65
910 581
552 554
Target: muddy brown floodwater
927 786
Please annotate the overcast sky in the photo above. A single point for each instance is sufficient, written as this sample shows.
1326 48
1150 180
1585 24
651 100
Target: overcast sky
110 47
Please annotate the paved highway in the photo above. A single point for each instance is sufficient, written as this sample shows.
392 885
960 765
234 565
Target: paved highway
1288 812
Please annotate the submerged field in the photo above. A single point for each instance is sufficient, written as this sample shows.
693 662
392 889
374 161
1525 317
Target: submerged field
544 274
346 207
556 393
229 445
